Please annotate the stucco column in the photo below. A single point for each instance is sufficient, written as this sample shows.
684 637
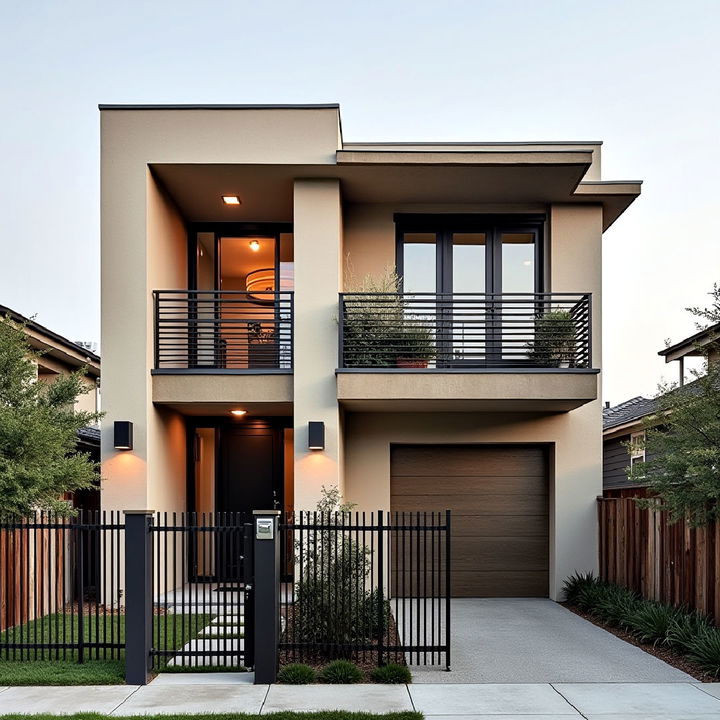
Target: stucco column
318 261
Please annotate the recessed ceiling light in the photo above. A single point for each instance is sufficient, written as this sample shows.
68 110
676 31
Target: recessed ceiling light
231 199
254 245
238 413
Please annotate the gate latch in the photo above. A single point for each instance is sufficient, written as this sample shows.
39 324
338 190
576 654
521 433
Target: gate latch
264 529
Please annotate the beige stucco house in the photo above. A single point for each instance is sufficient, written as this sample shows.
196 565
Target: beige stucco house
243 248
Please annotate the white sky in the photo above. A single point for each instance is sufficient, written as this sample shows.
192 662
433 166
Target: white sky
643 76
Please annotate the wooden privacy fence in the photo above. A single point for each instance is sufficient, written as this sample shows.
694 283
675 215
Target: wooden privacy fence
671 563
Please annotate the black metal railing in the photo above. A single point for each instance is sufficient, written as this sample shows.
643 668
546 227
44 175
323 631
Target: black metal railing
456 330
60 587
201 583
370 587
223 330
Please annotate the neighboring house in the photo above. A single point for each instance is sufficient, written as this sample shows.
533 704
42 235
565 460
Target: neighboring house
232 240
623 428
60 356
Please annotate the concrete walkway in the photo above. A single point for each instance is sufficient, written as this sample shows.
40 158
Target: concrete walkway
532 640
234 692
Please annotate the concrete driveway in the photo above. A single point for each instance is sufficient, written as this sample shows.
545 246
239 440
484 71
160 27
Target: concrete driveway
519 640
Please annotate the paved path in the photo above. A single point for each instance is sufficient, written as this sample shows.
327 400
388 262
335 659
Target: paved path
234 692
538 641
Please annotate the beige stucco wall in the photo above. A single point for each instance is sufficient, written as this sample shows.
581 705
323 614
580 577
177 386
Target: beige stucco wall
318 267
143 248
575 235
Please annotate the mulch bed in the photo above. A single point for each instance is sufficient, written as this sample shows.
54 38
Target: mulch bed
669 656
366 660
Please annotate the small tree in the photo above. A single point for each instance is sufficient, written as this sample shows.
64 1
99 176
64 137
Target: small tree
38 431
682 443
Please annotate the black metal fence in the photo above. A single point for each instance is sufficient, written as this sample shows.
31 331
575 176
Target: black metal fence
60 587
447 330
223 330
370 587
200 586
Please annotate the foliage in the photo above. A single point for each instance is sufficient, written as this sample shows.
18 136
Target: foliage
297 674
704 649
554 341
333 605
573 586
392 674
682 442
616 605
38 429
340 672
377 327
651 622
685 628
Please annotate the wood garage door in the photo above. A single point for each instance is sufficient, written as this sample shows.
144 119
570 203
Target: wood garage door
498 496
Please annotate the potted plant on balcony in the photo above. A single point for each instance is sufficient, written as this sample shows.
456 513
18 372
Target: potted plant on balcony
416 344
372 317
555 340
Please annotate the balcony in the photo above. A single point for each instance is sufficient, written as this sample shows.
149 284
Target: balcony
515 352
219 335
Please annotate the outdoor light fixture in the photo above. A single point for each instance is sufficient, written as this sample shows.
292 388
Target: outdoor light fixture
254 245
316 436
238 413
231 199
123 435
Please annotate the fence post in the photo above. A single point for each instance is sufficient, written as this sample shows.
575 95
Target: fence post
138 596
266 591
381 587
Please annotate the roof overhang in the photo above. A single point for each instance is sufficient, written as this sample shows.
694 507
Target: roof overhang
693 345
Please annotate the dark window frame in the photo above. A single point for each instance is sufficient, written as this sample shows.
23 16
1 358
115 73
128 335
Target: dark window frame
443 225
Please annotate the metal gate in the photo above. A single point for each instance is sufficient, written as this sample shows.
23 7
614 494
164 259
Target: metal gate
202 592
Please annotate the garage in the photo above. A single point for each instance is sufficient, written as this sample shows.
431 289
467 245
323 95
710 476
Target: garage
498 496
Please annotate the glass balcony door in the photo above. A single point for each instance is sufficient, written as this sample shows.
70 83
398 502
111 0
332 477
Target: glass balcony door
479 273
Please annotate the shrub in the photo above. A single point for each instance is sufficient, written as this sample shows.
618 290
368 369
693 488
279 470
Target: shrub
332 602
704 649
297 674
685 628
340 672
576 583
588 596
615 605
392 674
651 622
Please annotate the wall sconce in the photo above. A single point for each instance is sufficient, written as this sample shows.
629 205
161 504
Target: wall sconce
123 435
316 436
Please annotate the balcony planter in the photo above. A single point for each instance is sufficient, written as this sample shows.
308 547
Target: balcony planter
416 344
410 363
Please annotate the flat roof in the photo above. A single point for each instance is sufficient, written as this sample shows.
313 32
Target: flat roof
247 106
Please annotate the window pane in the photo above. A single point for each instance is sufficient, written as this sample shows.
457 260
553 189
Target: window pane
469 262
419 261
518 262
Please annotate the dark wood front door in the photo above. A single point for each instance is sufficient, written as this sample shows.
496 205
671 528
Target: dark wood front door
250 461
249 479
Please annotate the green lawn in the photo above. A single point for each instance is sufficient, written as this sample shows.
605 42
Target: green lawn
51 667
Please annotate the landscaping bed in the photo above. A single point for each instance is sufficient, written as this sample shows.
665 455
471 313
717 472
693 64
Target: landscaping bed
687 640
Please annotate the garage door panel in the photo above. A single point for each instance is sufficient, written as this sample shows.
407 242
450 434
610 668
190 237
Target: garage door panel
466 504
499 502
499 584
479 485
449 460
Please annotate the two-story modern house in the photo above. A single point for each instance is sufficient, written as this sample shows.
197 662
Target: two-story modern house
249 337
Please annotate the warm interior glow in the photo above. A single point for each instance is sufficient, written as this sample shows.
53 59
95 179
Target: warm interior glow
231 199
238 413
254 245
258 280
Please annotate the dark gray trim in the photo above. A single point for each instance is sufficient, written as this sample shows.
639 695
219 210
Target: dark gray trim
479 143
250 106
472 371
221 371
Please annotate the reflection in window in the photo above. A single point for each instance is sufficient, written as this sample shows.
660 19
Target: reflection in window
518 262
468 262
419 263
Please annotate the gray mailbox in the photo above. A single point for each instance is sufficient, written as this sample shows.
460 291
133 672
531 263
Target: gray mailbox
264 529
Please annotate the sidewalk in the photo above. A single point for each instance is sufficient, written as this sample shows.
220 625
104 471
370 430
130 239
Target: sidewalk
231 692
